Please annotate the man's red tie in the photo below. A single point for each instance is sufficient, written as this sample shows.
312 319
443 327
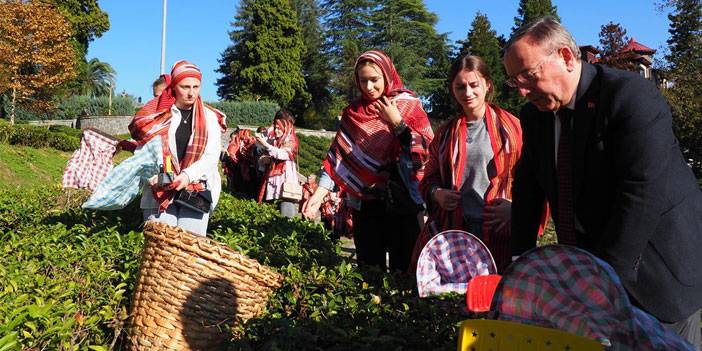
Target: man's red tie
565 224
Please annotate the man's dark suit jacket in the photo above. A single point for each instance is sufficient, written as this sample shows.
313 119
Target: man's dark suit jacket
636 199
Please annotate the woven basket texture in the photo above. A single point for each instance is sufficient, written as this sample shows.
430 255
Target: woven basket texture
191 290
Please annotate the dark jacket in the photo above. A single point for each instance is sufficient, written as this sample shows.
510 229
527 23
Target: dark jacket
636 200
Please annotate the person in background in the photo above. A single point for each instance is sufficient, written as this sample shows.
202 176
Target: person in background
307 190
379 148
191 134
468 176
160 84
599 147
282 165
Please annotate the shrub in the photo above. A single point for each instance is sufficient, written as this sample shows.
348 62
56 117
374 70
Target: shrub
252 113
75 106
64 139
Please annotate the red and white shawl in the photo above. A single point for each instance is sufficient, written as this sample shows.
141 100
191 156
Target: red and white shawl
155 119
365 143
445 168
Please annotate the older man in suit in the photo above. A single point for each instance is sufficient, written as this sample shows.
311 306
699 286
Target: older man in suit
599 147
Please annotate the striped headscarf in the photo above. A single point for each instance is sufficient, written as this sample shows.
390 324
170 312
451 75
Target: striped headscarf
155 119
365 143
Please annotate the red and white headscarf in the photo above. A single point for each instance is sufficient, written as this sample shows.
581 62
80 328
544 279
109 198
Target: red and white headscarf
365 143
155 119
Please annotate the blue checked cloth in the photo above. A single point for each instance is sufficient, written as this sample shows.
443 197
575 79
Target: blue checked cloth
123 183
566 288
449 260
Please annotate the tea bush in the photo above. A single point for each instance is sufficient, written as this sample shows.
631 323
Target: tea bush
66 277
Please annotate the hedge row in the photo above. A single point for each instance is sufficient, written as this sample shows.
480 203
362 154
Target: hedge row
312 152
252 113
77 105
56 137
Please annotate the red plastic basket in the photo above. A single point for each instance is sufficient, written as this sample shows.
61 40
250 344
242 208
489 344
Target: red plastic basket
480 291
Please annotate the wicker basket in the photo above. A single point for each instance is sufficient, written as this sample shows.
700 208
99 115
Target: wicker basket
191 290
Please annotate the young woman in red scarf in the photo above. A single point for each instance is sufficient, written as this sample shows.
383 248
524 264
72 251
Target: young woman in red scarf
190 135
380 145
468 178
281 156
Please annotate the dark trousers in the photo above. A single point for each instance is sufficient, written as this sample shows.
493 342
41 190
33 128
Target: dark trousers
376 232
688 329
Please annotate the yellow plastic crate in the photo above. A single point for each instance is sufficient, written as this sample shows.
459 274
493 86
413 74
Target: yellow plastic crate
492 335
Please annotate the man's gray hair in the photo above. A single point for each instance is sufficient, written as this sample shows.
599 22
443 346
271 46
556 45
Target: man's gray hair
546 32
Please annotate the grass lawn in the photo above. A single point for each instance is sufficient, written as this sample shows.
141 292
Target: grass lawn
23 166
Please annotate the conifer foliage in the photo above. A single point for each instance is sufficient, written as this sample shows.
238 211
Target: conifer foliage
685 73
264 60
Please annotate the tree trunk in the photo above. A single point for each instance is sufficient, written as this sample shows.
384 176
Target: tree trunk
12 106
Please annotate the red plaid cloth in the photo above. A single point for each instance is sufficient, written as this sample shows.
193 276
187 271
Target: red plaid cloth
365 143
566 288
89 165
449 260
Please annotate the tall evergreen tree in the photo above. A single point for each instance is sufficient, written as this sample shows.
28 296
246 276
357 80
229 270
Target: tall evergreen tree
612 40
348 30
483 41
316 67
685 72
405 30
530 10
265 60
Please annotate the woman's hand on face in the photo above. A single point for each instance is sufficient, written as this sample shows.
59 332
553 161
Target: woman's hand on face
388 110
447 199
498 214
261 140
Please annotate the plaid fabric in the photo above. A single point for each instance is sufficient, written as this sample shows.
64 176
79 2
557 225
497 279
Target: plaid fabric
90 163
449 260
566 288
365 143
122 183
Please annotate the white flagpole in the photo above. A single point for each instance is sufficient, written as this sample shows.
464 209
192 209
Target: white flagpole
163 39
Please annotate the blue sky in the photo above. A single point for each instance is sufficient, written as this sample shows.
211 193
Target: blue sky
198 31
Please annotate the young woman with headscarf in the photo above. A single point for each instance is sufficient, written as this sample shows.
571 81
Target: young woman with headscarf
468 177
281 156
380 146
190 135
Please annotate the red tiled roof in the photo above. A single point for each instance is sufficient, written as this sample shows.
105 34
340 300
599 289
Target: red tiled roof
637 47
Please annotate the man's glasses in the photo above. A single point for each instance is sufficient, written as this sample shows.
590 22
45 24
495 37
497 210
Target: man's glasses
527 76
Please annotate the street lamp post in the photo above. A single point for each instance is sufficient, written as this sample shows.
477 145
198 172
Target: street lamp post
163 39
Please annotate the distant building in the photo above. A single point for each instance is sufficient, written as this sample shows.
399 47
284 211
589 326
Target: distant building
588 53
636 56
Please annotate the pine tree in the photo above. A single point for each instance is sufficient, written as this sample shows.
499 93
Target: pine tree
530 10
405 30
482 41
316 67
265 60
612 40
348 31
685 72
